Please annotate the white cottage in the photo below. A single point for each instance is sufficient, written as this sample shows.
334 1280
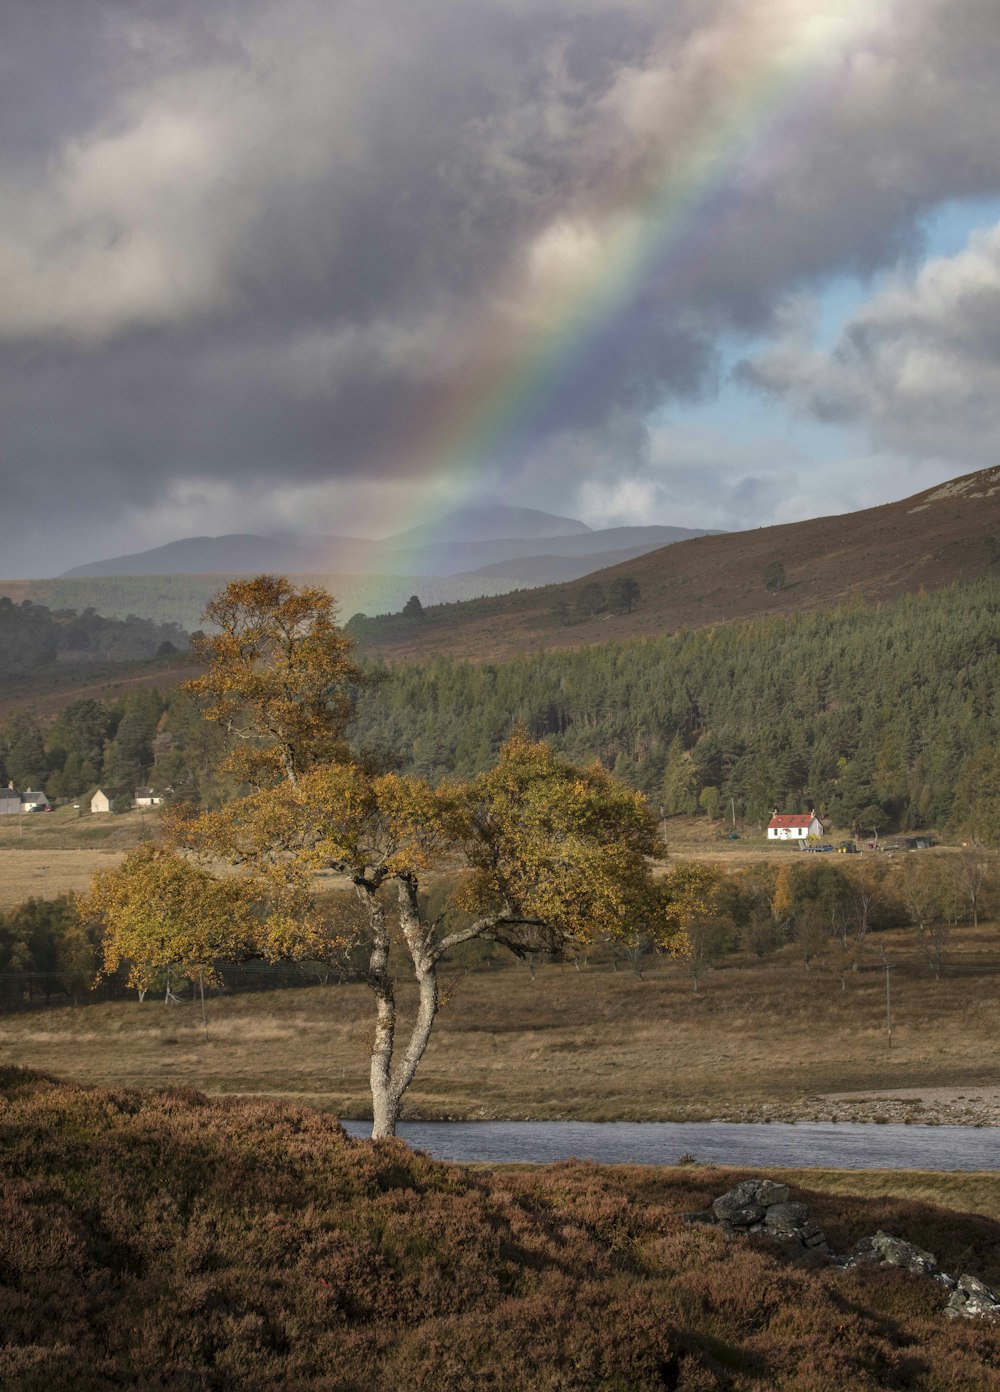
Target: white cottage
782 827
147 797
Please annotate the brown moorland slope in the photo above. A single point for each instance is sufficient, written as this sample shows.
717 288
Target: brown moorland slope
163 1240
945 534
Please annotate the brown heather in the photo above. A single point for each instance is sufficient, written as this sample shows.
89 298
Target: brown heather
163 1240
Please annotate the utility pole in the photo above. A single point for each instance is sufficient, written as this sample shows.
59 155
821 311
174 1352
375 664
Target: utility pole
888 1005
732 803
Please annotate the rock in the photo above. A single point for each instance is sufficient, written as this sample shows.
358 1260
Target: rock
769 1193
885 1250
785 1219
760 1206
746 1203
739 1207
972 1299
742 1219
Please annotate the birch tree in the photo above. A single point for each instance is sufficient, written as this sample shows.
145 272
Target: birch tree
553 855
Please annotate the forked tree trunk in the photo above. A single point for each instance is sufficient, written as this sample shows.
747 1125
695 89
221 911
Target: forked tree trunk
389 1077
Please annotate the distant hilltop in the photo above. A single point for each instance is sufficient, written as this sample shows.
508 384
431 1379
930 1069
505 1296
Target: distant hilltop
539 547
947 533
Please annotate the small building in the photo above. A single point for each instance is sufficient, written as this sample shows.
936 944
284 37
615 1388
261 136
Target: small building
794 827
33 801
10 801
147 797
103 798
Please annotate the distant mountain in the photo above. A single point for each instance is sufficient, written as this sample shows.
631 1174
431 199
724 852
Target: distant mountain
461 541
222 555
528 572
491 522
945 534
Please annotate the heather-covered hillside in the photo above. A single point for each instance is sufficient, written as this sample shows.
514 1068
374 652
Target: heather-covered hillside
168 1241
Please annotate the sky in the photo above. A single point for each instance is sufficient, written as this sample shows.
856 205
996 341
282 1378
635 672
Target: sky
334 266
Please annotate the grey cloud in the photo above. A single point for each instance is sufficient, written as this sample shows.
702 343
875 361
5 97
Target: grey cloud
250 243
918 366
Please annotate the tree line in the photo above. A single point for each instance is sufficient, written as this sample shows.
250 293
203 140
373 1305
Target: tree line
826 914
146 737
36 640
879 716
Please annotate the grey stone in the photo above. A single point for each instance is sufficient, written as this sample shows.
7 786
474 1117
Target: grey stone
972 1299
746 1203
786 1218
738 1217
883 1249
769 1193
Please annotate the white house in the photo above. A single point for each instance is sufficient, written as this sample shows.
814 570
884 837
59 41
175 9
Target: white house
101 801
146 797
794 828
32 800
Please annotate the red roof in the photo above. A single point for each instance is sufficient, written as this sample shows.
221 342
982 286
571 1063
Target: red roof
797 821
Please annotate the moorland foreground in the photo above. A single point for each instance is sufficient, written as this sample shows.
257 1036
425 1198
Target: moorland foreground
168 1241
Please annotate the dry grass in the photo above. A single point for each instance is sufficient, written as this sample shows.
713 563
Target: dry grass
44 854
45 875
758 1040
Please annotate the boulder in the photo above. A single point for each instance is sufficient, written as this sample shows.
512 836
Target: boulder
972 1299
761 1206
885 1250
747 1202
785 1219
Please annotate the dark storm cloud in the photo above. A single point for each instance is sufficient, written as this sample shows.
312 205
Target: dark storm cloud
251 244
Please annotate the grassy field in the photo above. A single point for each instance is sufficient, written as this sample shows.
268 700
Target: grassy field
44 854
767 1040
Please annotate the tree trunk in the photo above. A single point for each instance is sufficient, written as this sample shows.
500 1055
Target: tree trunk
384 1109
389 1083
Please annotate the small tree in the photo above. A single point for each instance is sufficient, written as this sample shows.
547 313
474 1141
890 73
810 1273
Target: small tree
555 856
624 594
976 877
413 609
691 892
161 913
922 890
590 600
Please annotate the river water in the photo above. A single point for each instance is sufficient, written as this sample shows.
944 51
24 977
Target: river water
815 1145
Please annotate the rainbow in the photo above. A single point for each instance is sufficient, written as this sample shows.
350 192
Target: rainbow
792 55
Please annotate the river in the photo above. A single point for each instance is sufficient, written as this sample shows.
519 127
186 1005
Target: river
813 1145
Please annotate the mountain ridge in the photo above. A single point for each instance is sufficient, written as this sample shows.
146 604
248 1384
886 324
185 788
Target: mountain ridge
459 542
947 533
